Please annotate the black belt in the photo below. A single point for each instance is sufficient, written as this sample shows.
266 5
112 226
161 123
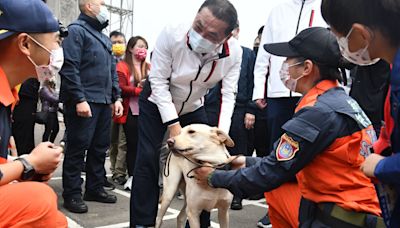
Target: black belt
335 216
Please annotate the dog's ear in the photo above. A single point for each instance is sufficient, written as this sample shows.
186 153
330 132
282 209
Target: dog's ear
223 137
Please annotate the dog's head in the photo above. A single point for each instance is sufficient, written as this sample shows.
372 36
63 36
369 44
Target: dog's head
200 138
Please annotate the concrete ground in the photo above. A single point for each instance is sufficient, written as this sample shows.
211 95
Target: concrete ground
117 215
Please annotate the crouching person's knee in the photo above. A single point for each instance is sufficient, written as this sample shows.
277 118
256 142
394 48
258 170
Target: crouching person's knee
31 204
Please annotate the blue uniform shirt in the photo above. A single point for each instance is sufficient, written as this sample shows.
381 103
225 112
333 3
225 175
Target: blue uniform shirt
388 169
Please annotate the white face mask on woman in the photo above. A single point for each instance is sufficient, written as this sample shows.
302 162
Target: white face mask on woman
47 72
360 57
199 44
289 82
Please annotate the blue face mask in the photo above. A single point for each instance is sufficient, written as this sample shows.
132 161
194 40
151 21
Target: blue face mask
102 17
200 44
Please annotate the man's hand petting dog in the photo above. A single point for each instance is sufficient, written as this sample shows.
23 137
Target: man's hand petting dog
201 174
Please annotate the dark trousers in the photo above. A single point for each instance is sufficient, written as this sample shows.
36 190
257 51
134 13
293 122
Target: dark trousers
91 135
51 127
145 189
23 125
279 111
131 135
260 136
238 132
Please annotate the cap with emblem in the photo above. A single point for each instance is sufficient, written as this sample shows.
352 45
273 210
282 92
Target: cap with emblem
30 16
316 43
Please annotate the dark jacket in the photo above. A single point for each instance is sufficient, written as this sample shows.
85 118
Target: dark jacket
245 86
49 99
89 70
369 88
388 169
29 89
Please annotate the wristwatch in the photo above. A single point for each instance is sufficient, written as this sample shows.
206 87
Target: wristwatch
29 171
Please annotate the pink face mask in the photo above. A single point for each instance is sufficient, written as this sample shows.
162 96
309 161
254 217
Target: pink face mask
140 53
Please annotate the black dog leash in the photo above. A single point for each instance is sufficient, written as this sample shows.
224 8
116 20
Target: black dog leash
199 164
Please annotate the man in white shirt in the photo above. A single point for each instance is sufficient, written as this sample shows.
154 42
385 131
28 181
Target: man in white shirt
186 62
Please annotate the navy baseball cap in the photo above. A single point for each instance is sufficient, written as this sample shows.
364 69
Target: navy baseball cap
30 16
316 43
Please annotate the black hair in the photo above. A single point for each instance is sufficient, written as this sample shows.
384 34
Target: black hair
116 33
326 72
223 10
381 15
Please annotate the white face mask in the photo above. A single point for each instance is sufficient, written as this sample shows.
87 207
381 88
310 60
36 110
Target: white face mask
360 57
289 82
47 72
102 16
200 44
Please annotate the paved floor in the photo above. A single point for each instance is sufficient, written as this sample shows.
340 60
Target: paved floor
117 215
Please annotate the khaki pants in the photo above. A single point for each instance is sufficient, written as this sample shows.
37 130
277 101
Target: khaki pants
118 150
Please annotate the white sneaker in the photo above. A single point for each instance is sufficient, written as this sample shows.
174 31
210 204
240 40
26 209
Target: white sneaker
128 184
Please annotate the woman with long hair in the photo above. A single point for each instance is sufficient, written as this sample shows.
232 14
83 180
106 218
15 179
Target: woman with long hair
132 72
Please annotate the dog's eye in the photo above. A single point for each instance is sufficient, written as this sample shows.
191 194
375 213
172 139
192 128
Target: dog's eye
191 131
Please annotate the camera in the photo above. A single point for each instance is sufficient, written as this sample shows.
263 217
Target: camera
63 30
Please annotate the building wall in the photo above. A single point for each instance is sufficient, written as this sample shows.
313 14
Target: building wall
65 10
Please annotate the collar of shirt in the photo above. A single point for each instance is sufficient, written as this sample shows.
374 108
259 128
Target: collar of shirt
311 96
8 96
93 22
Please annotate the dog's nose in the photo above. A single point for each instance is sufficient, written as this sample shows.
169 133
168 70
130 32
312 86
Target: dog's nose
170 142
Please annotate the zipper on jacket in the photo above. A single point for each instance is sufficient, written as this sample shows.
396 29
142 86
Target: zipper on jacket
191 88
298 21
214 64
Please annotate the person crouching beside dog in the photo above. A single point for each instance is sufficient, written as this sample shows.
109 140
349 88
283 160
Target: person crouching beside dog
324 144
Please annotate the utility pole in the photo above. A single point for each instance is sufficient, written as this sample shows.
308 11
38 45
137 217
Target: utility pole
121 14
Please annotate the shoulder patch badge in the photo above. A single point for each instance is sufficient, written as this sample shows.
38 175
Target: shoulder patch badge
287 148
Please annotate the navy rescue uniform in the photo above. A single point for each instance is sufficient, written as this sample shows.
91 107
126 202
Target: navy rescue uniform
324 145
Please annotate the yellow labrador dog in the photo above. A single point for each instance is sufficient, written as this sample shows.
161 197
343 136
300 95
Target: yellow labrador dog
198 144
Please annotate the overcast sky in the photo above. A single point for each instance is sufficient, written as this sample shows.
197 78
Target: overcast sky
150 16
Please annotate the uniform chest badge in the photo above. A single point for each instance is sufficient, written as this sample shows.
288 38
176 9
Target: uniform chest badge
286 149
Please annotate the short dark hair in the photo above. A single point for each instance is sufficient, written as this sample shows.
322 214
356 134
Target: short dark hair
381 15
223 10
116 33
325 71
